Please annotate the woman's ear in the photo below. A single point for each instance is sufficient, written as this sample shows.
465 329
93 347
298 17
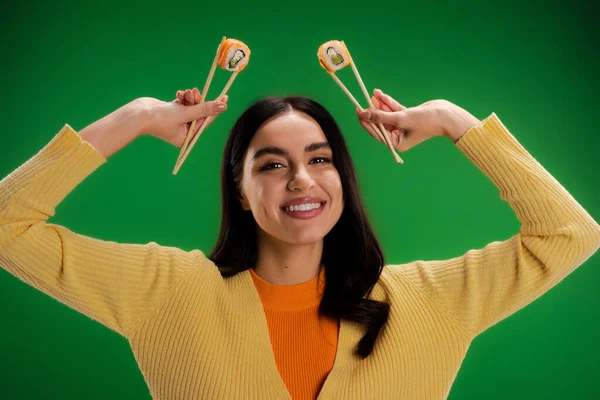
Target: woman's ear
243 202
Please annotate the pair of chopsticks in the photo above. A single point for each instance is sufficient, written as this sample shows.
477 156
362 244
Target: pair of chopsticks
190 139
379 128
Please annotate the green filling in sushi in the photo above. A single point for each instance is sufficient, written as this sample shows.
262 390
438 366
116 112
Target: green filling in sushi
335 57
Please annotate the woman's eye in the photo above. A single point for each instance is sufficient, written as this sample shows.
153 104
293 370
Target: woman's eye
273 165
322 160
277 165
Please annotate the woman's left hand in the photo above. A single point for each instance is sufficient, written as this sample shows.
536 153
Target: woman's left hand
411 126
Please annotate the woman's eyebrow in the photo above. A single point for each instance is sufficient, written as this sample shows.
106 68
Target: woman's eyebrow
281 152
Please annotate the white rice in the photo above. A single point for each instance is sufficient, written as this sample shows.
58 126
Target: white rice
242 56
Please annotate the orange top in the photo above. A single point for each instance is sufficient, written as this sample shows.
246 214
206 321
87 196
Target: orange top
304 343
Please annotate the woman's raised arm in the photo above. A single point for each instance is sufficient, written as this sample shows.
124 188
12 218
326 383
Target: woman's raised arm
484 286
115 284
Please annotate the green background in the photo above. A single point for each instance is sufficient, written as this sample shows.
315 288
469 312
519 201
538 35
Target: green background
535 65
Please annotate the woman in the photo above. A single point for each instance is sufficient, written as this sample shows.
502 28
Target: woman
294 301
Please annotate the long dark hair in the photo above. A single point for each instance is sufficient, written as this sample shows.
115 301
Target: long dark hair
352 257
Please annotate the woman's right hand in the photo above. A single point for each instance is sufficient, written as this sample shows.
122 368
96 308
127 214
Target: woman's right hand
170 121
412 126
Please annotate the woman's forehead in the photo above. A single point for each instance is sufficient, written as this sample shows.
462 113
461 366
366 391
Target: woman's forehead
292 128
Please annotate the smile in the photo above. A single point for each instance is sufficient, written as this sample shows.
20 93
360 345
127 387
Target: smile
304 211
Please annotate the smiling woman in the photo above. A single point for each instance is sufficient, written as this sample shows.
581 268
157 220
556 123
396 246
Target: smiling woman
291 206
295 300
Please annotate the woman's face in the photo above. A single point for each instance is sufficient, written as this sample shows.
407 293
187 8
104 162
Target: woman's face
289 159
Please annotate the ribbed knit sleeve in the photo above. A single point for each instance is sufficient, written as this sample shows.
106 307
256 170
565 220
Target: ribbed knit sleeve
115 284
557 235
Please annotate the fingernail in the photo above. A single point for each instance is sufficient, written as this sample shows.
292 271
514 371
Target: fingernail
365 114
220 106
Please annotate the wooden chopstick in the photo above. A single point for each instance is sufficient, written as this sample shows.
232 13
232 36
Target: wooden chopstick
366 93
382 137
205 123
204 93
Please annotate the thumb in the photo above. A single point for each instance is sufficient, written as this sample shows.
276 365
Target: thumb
396 118
201 110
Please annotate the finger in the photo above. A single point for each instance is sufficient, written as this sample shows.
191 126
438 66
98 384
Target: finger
202 110
380 105
376 103
198 125
197 96
367 126
181 96
384 107
401 133
399 136
396 118
189 96
388 100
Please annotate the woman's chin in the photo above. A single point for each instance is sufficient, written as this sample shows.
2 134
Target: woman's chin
302 242
305 236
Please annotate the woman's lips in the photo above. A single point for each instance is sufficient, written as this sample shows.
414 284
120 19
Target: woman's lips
305 214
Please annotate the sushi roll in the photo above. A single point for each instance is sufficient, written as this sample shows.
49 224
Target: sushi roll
333 55
234 55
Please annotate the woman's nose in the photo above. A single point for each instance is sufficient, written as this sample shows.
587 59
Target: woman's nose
301 180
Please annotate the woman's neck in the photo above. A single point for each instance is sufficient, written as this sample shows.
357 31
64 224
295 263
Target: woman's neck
282 263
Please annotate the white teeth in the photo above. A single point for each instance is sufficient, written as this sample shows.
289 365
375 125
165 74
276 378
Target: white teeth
303 207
